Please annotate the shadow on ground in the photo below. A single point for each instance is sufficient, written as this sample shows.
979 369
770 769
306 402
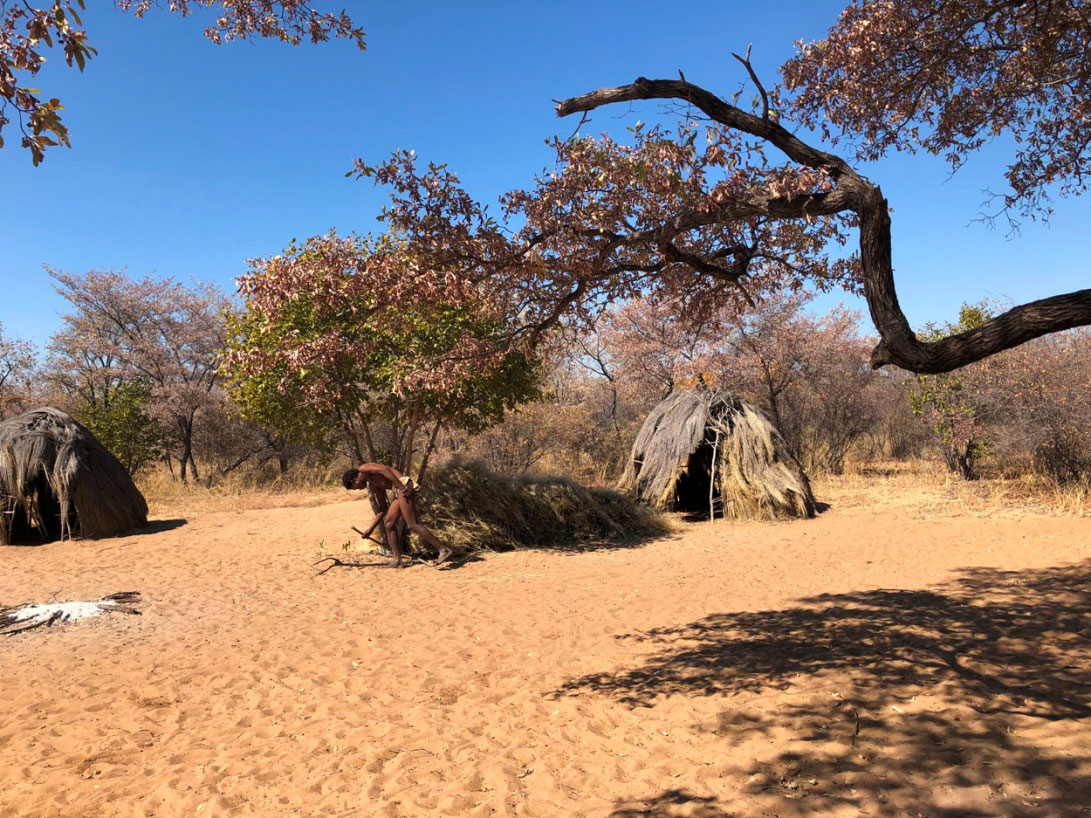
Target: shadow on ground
670 803
159 526
968 699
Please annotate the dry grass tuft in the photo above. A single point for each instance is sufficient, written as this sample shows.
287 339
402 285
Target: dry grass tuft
301 486
927 489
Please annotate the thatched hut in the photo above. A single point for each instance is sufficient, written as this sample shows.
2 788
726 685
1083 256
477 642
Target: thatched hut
709 451
57 481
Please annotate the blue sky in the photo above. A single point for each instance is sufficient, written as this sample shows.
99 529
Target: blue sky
189 158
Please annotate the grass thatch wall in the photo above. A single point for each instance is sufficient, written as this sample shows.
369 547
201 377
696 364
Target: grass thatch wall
57 481
704 447
473 508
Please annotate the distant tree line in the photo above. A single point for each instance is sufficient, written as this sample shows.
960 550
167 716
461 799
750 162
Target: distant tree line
182 377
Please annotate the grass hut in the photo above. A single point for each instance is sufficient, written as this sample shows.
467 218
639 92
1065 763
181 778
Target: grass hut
57 481
709 451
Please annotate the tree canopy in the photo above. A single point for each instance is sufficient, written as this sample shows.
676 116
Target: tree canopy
335 342
947 77
153 345
734 204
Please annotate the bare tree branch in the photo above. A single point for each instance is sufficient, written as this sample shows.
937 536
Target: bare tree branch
753 76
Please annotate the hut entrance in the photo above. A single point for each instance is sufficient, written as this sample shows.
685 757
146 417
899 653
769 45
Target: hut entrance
692 489
37 518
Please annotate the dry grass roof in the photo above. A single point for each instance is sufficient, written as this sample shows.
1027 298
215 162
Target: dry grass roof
58 481
712 441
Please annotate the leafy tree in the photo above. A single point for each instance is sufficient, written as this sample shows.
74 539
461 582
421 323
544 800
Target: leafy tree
954 402
160 334
17 360
946 77
334 342
1029 404
28 31
120 421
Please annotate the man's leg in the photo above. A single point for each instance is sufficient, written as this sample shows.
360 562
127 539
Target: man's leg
410 514
380 505
392 517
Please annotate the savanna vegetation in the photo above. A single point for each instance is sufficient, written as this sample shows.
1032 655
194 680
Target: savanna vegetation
901 655
669 256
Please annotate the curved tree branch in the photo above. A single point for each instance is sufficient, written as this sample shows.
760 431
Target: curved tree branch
898 344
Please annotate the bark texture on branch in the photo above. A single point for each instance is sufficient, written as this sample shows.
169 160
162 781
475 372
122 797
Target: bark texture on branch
855 193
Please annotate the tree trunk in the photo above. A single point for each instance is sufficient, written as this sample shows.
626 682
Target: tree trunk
961 461
428 451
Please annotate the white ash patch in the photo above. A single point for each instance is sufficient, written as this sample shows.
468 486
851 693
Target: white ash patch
65 611
36 614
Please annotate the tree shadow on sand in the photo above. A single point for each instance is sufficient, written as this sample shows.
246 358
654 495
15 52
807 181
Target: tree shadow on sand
620 544
972 698
670 803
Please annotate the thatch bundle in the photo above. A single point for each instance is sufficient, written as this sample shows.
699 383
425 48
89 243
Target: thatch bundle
57 481
709 451
474 508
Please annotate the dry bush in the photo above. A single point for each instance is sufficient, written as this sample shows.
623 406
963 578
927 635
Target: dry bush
246 488
532 433
1039 399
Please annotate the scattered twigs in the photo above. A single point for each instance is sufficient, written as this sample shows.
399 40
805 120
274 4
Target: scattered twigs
842 701
124 602
336 562
9 626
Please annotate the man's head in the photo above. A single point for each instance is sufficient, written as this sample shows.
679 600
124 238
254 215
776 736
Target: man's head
349 478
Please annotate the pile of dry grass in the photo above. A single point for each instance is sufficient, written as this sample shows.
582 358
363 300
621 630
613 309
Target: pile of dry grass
476 509
709 449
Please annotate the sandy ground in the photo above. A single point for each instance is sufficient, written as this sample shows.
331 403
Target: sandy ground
877 661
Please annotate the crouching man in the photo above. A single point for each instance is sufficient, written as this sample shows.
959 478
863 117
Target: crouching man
379 478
